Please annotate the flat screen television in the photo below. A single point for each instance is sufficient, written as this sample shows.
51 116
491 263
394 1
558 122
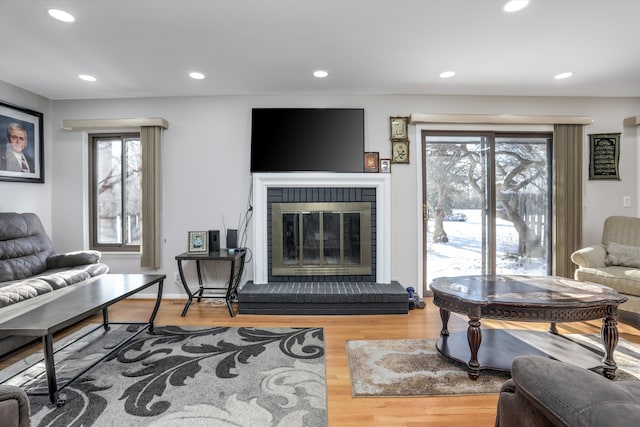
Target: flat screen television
307 139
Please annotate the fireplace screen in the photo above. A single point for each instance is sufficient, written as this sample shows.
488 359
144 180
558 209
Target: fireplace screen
321 239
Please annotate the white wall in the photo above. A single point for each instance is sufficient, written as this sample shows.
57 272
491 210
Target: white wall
23 196
206 163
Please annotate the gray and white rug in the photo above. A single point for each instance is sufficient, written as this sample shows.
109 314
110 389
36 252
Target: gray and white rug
218 376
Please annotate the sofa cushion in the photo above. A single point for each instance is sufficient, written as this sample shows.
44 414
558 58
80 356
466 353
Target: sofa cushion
24 246
625 280
624 230
62 277
624 255
20 290
72 259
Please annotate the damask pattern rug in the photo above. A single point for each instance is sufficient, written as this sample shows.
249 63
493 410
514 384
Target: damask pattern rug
414 367
218 376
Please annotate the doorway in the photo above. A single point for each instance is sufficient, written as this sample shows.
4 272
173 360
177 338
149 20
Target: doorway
486 203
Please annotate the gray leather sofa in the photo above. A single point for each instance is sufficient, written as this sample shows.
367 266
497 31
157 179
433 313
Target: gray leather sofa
545 392
14 407
29 266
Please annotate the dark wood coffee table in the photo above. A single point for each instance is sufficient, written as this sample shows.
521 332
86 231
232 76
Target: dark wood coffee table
49 313
521 299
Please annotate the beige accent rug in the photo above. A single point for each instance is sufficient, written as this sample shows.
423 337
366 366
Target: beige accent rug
403 368
411 368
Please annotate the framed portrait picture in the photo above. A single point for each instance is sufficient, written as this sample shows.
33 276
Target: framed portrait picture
21 144
371 161
399 127
198 242
385 165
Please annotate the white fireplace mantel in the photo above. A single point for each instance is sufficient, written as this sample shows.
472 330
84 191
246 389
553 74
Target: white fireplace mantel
381 182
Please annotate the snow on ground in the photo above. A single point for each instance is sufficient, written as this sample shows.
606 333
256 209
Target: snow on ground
462 255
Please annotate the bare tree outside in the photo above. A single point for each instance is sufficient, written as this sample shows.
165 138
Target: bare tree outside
521 189
117 188
460 222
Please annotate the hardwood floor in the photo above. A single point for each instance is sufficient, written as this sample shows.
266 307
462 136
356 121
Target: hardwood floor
343 409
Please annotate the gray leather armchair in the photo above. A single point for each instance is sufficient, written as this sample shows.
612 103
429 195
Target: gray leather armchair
14 407
545 392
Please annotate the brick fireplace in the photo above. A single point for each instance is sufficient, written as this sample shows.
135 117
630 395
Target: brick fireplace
318 188
354 281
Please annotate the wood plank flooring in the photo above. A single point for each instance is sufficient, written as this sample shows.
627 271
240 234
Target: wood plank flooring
343 409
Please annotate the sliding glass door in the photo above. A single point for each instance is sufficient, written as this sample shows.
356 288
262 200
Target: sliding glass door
486 203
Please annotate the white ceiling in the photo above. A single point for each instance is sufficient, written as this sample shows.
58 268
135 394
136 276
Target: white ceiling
145 48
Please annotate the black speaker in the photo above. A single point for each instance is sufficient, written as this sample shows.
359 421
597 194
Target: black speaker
214 240
232 239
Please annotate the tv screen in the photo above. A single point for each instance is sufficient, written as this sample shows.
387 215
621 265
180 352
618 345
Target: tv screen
307 139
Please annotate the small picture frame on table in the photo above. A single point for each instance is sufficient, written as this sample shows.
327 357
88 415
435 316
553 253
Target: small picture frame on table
198 242
371 161
385 165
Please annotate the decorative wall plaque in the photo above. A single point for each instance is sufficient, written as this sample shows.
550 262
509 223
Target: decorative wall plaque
399 127
604 156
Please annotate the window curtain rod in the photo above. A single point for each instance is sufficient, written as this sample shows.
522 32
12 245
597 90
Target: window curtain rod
504 119
98 124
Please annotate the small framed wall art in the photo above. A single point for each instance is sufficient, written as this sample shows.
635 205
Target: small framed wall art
399 127
198 242
385 165
604 156
371 161
400 151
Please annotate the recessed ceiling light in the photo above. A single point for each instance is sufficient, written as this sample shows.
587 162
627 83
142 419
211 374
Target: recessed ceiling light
447 74
321 74
87 78
515 5
196 76
563 75
61 15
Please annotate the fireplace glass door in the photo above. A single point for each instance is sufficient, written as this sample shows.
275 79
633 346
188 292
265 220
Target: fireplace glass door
321 239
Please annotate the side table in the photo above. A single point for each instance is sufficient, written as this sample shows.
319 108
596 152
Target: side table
227 292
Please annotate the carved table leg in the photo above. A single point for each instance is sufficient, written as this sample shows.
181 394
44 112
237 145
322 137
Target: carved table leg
444 315
474 336
609 335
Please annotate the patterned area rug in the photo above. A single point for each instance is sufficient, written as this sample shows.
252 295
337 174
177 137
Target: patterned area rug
189 376
404 368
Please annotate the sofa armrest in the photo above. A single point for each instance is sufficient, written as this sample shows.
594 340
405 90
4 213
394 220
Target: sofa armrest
14 406
72 259
590 257
569 395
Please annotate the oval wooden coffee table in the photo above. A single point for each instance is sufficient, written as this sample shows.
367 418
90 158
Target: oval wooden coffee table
522 299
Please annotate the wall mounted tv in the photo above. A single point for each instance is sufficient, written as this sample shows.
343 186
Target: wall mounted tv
307 139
